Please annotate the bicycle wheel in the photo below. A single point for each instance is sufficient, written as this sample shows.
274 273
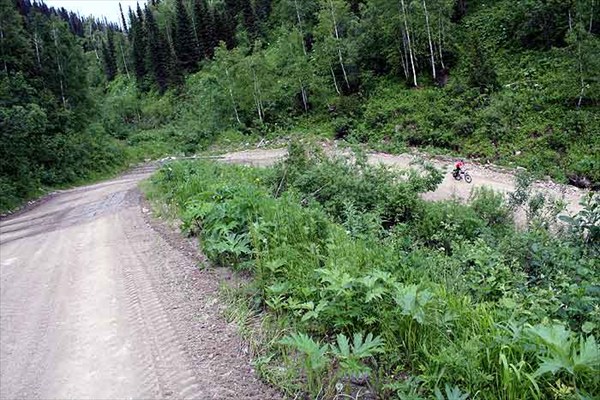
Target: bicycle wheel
468 178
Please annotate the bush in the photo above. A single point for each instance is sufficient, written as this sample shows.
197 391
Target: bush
336 183
453 296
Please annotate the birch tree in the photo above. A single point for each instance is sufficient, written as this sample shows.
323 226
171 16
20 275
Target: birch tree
431 52
408 42
336 42
224 65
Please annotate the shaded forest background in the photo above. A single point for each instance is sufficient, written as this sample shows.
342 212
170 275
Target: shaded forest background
510 82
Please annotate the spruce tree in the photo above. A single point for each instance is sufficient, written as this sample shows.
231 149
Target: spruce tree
249 19
205 28
123 19
263 10
157 55
225 28
184 40
15 51
139 45
109 56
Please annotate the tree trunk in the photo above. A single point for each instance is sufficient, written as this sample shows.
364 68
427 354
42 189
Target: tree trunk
429 39
337 37
337 89
592 16
300 26
581 80
235 111
402 51
410 52
36 41
257 99
441 38
302 89
60 69
2 41
570 21
304 95
124 60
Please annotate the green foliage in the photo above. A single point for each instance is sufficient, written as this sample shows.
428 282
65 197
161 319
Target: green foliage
48 136
315 358
490 206
340 185
453 298
586 223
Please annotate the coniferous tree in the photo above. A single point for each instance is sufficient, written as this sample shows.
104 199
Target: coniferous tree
249 19
157 54
184 40
109 56
263 10
139 45
125 29
225 28
205 28
15 52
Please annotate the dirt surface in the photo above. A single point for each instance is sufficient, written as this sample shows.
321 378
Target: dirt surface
490 176
98 300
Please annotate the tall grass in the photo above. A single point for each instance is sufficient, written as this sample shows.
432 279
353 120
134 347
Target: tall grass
438 299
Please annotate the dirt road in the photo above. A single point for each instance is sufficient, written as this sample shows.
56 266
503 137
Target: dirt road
99 302
488 176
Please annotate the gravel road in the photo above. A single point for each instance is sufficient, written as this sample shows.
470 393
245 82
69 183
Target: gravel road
100 301
499 179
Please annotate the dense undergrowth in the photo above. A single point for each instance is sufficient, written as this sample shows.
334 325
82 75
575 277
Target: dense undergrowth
361 285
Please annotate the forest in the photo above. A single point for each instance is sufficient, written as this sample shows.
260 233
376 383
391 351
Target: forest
510 82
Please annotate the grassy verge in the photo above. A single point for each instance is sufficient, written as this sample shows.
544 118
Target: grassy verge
358 285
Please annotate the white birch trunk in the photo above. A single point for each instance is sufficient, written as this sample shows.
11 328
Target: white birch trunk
36 42
60 69
430 42
402 52
581 80
302 89
592 16
304 96
300 26
337 37
2 39
441 38
337 89
257 99
410 52
124 60
570 21
235 111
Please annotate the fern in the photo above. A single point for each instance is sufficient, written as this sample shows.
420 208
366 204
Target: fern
350 355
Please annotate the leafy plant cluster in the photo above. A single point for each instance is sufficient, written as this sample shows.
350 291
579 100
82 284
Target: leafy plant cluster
444 299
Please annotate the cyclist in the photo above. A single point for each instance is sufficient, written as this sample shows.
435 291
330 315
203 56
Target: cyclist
458 166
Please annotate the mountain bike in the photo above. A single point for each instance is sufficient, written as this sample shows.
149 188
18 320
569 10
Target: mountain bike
458 175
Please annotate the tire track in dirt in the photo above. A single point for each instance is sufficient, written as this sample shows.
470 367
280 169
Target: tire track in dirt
164 363
96 303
